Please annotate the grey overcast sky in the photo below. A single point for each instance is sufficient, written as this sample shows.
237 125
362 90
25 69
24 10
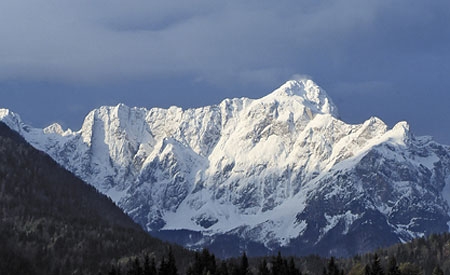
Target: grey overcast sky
60 59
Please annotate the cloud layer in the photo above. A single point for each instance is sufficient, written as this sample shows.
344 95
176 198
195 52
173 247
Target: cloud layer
352 47
245 40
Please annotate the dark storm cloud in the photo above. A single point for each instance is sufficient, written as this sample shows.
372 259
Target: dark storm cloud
86 41
373 57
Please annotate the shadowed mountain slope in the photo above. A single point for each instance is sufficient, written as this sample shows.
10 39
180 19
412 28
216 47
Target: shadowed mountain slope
51 222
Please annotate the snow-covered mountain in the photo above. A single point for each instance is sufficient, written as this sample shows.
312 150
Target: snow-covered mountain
282 172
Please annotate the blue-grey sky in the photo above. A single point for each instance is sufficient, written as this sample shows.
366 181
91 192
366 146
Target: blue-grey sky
61 59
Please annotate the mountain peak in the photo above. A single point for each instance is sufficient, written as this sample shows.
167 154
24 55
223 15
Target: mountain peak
280 171
11 119
55 128
307 91
401 132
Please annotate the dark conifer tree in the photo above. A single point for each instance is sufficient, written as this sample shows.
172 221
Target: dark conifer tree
437 271
292 269
172 264
146 267
392 268
114 271
223 269
168 267
195 268
162 270
376 268
204 262
263 269
244 267
332 268
149 266
277 265
153 267
136 268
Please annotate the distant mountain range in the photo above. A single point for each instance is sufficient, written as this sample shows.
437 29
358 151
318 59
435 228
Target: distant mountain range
282 172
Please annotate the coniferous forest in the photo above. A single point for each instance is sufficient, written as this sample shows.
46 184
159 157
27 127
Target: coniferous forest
53 223
429 256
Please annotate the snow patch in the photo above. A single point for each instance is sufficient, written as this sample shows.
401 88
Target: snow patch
245 166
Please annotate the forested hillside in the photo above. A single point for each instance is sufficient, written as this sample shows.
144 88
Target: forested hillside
429 255
53 223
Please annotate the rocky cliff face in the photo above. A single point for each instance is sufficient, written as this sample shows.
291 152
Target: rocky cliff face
277 173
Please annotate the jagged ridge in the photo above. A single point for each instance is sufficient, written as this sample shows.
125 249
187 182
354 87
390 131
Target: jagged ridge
281 171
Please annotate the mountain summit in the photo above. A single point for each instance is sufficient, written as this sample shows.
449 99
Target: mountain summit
307 93
277 173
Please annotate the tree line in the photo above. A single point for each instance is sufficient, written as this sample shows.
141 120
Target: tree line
422 256
205 263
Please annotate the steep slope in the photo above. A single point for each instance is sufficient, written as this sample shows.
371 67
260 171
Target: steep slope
280 172
53 223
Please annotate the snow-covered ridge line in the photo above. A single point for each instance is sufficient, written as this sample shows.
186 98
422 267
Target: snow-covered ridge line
282 171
